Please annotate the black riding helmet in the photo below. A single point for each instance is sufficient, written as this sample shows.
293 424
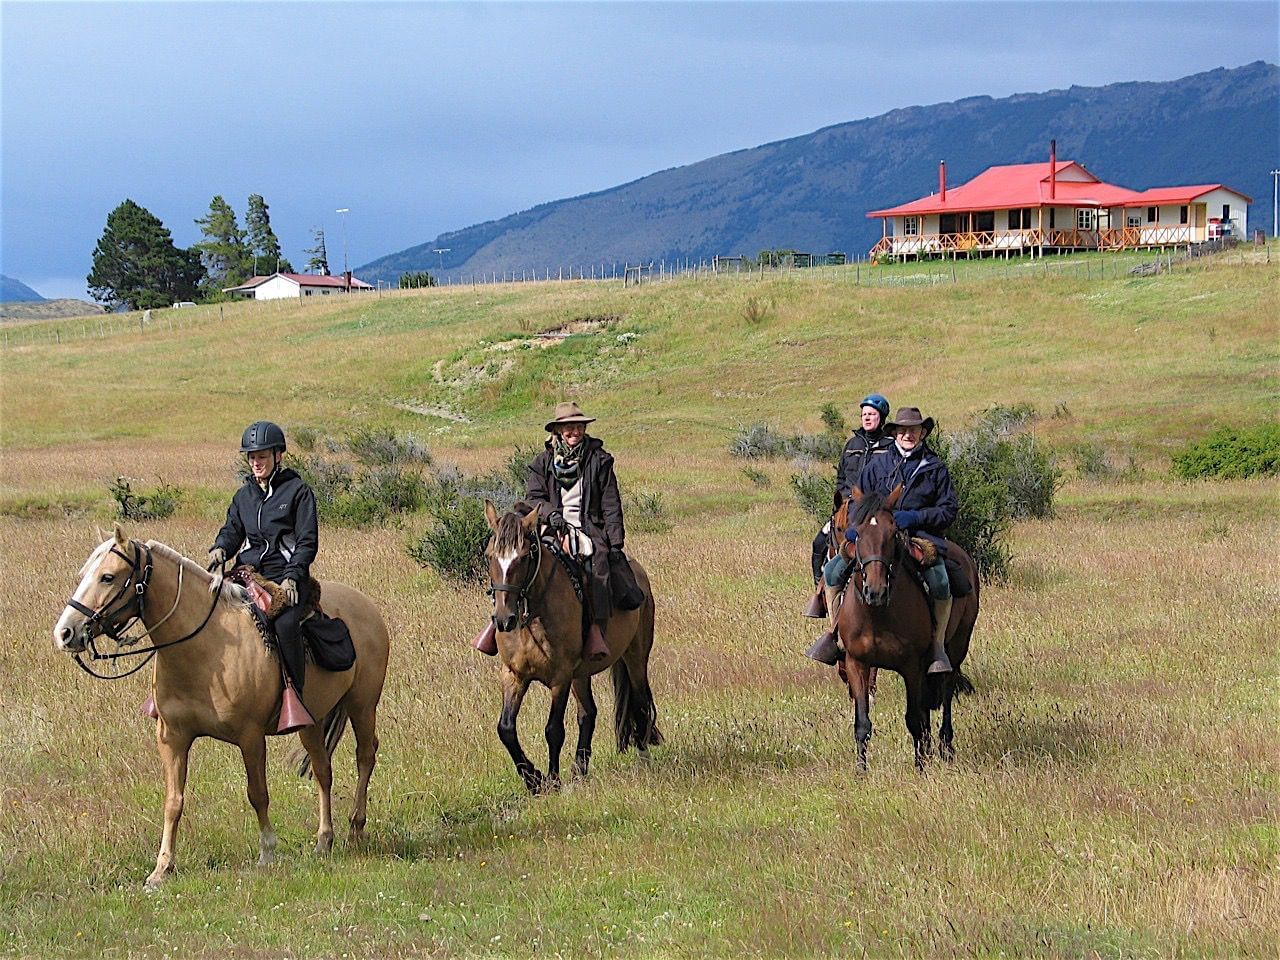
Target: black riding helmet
263 435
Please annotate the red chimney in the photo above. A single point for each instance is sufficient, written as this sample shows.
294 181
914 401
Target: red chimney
1053 169
942 180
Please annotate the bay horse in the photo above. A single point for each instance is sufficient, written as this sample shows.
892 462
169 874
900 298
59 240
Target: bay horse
214 677
884 621
538 616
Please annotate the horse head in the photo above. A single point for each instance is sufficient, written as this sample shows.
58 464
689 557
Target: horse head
513 556
113 584
876 549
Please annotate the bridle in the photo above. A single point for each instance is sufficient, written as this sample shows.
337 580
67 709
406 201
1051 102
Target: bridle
861 563
130 601
521 591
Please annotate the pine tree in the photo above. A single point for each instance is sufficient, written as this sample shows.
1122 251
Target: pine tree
319 262
261 239
136 265
226 257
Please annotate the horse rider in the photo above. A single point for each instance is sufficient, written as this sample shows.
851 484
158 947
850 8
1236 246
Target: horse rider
271 524
925 509
575 490
868 439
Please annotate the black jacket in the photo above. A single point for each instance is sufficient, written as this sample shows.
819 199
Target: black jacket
926 487
274 531
601 503
857 452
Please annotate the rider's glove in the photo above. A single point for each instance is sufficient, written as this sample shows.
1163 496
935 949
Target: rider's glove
217 557
907 519
289 587
558 523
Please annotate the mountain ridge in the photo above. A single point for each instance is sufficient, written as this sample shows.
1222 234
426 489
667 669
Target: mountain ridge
812 191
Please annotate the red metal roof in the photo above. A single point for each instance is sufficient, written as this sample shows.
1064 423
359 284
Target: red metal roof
1158 195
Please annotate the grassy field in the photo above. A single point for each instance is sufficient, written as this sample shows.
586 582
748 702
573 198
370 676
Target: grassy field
1115 788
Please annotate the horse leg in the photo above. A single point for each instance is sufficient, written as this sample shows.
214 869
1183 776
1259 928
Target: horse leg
363 719
858 676
586 725
513 691
946 749
175 749
917 717
312 738
254 751
555 735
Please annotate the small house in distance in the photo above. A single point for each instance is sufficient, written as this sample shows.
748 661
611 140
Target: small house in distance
1034 208
282 286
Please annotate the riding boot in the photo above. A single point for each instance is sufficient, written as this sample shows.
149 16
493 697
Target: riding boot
938 661
817 608
293 659
595 649
836 570
825 649
486 640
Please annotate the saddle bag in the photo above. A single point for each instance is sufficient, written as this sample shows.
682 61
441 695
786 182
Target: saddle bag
330 642
960 585
626 593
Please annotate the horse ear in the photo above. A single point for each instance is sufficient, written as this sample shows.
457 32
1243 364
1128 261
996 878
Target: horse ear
491 515
530 521
118 531
891 501
855 494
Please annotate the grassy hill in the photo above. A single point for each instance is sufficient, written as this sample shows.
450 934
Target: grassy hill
1115 788
47 309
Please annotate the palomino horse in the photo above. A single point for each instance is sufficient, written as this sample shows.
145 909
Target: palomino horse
214 677
539 620
884 621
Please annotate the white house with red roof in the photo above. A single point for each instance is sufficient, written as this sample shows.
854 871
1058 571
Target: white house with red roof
294 286
1059 206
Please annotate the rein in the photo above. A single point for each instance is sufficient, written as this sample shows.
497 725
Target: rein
103 620
861 563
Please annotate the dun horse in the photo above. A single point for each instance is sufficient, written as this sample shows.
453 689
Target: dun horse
884 621
539 620
214 677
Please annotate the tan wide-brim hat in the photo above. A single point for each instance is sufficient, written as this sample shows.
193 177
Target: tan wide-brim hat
567 412
909 417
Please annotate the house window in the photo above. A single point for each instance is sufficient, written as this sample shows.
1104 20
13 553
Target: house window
1084 219
307 293
1226 211
1020 219
984 221
1133 220
910 226
1053 217
1152 214
1182 213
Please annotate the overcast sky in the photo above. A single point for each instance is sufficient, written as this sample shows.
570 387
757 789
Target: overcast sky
426 117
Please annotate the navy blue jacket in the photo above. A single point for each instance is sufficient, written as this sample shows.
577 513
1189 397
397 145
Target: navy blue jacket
860 449
926 487
274 531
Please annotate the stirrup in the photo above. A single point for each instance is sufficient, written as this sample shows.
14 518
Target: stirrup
825 650
486 641
817 608
148 708
595 649
293 715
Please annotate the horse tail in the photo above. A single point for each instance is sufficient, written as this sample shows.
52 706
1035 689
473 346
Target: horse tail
937 685
635 715
335 725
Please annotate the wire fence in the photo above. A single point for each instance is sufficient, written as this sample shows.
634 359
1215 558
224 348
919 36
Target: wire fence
856 273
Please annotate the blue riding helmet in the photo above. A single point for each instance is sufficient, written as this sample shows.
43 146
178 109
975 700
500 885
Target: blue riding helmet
876 402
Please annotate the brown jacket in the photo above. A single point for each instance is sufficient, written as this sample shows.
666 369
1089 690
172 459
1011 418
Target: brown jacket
601 503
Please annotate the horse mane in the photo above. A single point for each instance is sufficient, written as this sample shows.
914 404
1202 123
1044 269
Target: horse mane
509 535
866 508
232 594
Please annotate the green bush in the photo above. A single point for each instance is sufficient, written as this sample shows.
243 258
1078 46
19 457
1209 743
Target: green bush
761 441
1231 453
834 420
815 492
158 504
454 546
1092 462
645 511
382 446
303 438
758 477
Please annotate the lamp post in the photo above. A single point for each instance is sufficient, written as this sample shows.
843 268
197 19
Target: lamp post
442 251
344 211
1275 184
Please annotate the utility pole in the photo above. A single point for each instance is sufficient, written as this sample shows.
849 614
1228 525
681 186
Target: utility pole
442 251
344 211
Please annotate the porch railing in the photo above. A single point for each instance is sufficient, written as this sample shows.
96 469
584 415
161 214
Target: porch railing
990 241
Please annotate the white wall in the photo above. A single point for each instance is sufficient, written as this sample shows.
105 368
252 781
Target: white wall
277 288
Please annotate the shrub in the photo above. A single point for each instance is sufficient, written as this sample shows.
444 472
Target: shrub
758 477
815 492
159 504
834 420
454 546
382 446
645 511
357 498
756 311
1231 453
517 463
759 440
303 438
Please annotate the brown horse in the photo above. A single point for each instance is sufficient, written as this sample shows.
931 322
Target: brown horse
539 620
884 621
214 677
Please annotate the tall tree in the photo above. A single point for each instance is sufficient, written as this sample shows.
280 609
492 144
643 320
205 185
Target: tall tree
261 239
226 256
319 262
136 264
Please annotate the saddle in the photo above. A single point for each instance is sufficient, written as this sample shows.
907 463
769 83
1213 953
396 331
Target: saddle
327 639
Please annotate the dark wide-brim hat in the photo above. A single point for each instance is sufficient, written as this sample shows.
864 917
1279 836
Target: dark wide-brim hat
567 412
910 417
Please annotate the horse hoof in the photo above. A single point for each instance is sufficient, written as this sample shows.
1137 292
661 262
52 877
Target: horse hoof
157 878
266 859
324 846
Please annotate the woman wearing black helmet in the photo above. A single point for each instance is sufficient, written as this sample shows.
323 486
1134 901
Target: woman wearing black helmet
271 524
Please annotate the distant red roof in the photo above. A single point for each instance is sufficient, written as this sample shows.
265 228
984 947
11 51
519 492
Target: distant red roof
1027 185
